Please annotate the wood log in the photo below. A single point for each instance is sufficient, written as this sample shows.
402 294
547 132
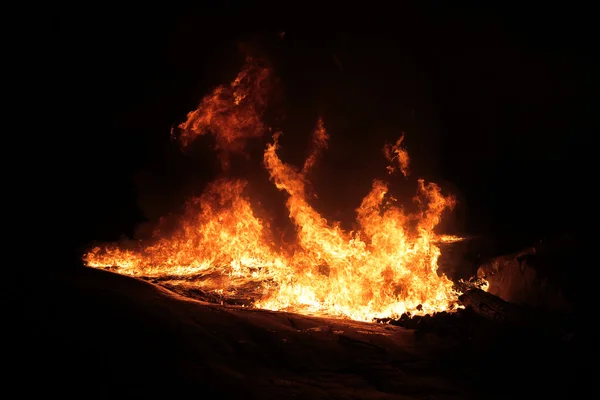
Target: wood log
491 306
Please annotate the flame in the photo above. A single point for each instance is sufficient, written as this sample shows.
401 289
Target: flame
319 142
384 268
450 238
396 152
232 113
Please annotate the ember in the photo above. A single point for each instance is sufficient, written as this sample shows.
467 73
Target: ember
223 250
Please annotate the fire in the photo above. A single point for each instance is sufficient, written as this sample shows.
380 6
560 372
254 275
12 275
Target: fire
397 152
232 113
384 268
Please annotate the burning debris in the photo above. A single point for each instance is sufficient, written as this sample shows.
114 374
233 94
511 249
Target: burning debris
222 251
490 306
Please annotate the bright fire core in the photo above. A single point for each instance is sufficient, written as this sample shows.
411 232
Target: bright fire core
386 267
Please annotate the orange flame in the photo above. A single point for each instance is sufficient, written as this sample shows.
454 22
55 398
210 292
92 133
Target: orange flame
387 267
396 152
232 113
319 142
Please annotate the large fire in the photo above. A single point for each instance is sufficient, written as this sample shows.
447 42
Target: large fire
384 268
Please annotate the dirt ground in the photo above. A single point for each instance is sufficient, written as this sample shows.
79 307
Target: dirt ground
94 332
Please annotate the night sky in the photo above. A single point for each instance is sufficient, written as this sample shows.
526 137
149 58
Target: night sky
495 105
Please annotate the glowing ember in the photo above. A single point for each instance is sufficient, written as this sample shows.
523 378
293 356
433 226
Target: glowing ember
386 267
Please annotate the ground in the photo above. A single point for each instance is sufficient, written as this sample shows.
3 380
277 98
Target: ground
95 332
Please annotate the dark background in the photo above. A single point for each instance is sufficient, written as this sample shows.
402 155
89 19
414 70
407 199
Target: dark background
495 104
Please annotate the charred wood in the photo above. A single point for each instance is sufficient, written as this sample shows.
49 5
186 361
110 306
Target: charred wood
491 306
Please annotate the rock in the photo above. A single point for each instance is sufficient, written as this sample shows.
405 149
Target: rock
518 278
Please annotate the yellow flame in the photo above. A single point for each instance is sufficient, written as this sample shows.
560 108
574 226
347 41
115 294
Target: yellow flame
387 267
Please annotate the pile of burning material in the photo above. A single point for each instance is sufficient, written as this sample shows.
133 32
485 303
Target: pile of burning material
222 251
477 306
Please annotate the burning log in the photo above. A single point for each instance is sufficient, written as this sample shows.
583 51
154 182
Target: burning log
491 306
519 320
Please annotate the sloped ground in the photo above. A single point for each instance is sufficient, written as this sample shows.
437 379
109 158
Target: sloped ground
91 332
